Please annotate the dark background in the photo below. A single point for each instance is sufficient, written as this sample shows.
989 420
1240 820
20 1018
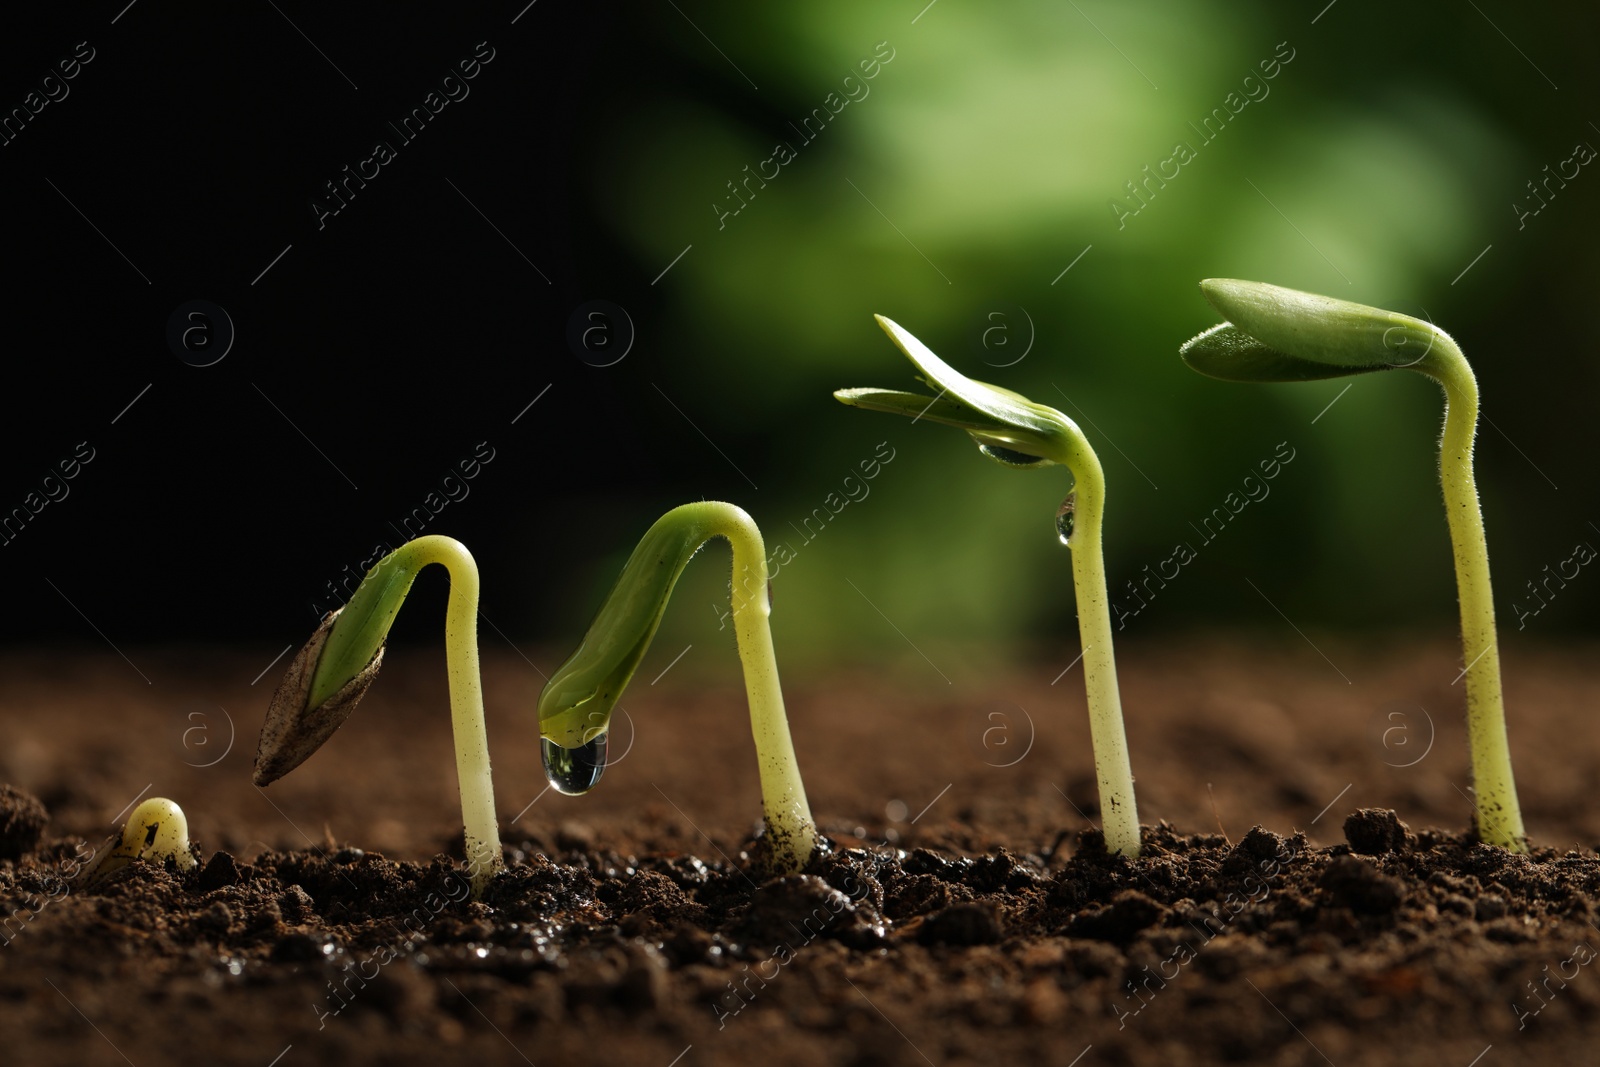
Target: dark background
379 350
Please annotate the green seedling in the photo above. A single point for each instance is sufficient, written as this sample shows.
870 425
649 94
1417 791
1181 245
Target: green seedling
576 705
330 674
1282 335
1016 432
157 831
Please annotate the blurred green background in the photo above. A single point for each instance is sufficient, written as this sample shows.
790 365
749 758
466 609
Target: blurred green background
975 189
985 157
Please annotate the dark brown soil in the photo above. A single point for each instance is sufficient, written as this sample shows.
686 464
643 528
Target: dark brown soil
969 913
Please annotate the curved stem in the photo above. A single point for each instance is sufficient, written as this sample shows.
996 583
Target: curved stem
1499 816
577 702
1119 814
360 631
791 833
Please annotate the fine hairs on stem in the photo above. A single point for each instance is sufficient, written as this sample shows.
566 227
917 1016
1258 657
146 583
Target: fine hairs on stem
1016 432
1275 334
328 676
576 705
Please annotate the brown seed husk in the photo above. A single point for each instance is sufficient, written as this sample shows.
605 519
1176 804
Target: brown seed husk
293 731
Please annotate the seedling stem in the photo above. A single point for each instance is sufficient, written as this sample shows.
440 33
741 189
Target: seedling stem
1113 772
1275 334
575 707
343 657
1016 432
1499 814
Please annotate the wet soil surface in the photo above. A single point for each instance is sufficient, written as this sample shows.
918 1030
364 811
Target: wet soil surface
967 913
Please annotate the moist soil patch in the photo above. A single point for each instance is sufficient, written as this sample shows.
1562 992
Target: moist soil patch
990 926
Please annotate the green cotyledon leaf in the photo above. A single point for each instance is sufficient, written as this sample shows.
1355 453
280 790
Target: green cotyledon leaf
576 704
1274 334
1010 409
1007 427
1228 353
940 409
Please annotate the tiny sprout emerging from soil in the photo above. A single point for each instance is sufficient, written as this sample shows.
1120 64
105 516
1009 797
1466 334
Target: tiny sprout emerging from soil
327 678
1283 335
575 706
1016 432
156 832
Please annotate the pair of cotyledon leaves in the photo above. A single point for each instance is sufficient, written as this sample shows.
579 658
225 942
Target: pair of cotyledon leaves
1275 334
1272 334
1007 426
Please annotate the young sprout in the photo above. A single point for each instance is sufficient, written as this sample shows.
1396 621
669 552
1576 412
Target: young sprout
575 707
156 832
1282 335
1016 432
328 676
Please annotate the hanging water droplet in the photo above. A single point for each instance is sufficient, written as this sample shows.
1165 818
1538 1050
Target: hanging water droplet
1065 515
1010 456
574 771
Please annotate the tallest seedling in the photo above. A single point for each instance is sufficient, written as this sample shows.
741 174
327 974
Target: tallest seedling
1283 335
1015 432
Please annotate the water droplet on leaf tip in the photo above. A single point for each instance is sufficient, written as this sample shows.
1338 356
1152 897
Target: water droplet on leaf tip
1065 516
574 771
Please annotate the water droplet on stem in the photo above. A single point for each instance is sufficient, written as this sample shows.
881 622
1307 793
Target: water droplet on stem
574 771
1065 516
